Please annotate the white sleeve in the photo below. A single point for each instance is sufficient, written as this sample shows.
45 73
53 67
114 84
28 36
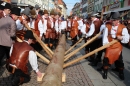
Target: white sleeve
101 29
18 24
44 26
91 31
65 24
11 50
33 60
83 29
56 26
125 36
40 28
105 36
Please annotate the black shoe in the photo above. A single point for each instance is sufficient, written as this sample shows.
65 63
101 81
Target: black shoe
90 60
93 64
100 69
105 73
15 81
104 76
115 69
121 76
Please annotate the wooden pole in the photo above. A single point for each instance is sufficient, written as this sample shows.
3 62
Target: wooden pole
53 73
75 51
48 51
38 54
89 54
73 46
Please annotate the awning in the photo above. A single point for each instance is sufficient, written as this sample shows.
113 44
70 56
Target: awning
107 12
122 9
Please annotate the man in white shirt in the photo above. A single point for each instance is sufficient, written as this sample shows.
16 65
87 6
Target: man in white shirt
80 22
113 54
20 54
94 29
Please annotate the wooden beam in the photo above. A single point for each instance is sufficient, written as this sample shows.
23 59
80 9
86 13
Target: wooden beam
38 54
53 73
73 46
89 54
75 51
48 51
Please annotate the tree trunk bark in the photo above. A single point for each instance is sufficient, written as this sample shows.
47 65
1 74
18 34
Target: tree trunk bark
53 73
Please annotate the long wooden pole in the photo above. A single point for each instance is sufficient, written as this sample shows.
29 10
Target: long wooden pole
73 46
53 73
89 54
75 51
38 54
48 51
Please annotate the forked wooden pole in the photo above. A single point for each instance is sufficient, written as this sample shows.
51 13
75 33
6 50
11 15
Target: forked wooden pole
53 73
89 54
73 46
48 51
38 54
75 51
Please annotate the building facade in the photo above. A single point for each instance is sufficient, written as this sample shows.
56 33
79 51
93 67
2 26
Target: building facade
63 7
90 8
116 5
84 4
76 9
98 5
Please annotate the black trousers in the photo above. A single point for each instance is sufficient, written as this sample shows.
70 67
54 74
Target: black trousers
37 46
119 63
19 77
4 50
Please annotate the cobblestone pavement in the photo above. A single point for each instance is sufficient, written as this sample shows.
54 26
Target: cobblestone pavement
75 76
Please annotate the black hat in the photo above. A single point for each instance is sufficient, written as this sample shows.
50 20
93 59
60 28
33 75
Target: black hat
115 16
1 6
15 11
37 6
6 5
27 11
29 35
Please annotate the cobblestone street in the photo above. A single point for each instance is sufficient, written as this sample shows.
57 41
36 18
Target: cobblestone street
75 76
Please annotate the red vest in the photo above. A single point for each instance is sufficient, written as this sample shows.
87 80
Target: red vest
1 14
19 56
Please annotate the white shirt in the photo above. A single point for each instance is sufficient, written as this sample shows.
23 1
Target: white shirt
44 24
125 35
83 29
57 26
80 22
69 23
103 26
40 26
32 59
92 29
20 26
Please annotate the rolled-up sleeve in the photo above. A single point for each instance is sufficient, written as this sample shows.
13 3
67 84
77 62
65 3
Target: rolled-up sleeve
40 28
33 60
125 36
91 31
105 36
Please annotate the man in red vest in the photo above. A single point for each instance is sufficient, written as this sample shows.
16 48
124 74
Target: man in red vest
113 54
20 54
